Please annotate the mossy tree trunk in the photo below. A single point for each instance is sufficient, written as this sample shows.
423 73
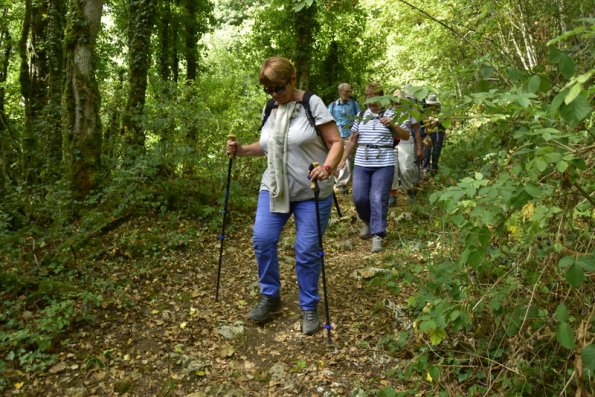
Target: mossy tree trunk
140 28
5 140
164 37
32 77
81 97
55 82
189 12
40 50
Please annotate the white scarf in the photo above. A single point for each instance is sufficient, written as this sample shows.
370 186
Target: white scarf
277 159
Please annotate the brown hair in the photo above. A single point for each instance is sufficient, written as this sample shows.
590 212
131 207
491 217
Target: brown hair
276 71
374 89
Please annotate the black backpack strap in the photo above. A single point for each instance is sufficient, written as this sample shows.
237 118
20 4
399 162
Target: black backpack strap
306 105
267 111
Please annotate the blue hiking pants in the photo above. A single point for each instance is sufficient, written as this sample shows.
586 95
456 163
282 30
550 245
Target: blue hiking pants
370 188
267 229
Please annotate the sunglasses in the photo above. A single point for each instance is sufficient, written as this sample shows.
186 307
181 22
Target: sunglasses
276 90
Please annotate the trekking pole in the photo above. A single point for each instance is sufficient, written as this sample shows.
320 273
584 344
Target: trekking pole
337 205
314 186
231 137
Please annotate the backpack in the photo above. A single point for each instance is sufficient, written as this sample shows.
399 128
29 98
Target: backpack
305 102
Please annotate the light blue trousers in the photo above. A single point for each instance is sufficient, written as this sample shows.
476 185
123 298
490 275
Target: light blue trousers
267 229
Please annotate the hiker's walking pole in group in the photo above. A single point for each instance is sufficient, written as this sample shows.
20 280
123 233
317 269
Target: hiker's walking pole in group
337 205
222 236
314 186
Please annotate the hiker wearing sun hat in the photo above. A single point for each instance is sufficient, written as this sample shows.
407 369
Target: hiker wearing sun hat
432 133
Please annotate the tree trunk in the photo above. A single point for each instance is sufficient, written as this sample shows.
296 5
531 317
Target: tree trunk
55 81
164 39
305 27
5 51
140 27
190 37
83 136
28 140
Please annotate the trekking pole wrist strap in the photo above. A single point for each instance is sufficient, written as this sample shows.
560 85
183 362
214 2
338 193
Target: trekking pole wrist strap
329 170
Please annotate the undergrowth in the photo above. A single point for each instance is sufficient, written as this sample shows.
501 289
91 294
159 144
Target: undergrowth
508 308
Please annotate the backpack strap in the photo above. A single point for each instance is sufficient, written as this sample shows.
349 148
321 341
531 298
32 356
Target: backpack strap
270 105
306 105
267 112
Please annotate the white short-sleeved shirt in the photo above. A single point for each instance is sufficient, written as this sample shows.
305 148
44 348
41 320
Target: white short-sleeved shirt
304 146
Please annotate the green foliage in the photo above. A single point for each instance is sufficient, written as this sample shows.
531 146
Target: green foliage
521 227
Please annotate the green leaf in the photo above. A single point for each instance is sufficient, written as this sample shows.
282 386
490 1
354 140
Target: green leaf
588 356
475 257
521 199
540 164
566 261
558 100
573 93
562 166
437 335
523 100
554 54
567 66
587 262
427 325
534 190
583 78
434 373
577 110
565 335
575 275
533 84
561 313
387 392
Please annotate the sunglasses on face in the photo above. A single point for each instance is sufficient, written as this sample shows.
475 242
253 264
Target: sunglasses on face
275 90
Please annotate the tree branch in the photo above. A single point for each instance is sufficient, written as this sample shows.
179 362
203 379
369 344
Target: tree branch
460 36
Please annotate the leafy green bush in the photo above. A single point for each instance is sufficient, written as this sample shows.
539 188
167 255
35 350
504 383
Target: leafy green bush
517 302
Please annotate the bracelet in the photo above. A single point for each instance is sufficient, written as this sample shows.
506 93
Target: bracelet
328 169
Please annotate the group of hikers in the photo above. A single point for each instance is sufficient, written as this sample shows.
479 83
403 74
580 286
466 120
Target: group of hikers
307 143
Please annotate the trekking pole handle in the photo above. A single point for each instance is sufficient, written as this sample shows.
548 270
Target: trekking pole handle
231 137
313 180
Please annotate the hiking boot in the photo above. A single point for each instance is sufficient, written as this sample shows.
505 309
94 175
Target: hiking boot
264 308
376 243
411 196
365 231
310 322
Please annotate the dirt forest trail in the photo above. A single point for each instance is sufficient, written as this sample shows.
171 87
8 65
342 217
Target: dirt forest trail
168 337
